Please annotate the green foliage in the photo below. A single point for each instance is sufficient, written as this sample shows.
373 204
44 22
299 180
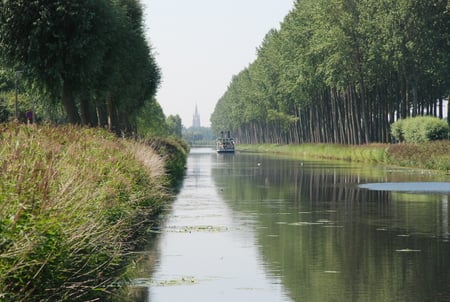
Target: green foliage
199 136
174 126
373 153
430 155
342 72
433 155
4 111
91 57
151 121
397 130
420 129
71 203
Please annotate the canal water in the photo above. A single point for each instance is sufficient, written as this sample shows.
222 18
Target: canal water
251 227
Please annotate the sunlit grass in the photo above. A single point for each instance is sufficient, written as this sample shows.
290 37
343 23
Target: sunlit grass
430 155
71 201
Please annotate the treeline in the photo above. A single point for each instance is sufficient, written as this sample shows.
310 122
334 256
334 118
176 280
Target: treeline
342 71
83 61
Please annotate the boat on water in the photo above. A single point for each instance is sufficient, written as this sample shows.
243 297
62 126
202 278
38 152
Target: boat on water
225 143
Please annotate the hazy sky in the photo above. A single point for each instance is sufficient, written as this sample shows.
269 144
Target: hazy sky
200 44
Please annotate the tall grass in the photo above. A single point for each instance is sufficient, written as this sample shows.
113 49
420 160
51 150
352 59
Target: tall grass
430 155
175 153
71 203
433 155
368 153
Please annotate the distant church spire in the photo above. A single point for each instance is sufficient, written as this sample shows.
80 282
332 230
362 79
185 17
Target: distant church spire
196 119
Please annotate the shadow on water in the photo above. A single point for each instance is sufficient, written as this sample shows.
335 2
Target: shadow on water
331 240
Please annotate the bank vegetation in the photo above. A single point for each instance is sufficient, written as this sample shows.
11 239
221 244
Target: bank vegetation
74 202
433 155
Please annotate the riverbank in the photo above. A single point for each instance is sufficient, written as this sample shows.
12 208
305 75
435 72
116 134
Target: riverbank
431 155
74 202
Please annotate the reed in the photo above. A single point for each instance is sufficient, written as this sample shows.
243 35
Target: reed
431 155
72 201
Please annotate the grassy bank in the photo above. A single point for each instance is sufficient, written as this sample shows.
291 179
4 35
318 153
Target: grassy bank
431 155
72 204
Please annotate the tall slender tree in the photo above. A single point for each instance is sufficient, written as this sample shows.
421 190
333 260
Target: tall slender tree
342 71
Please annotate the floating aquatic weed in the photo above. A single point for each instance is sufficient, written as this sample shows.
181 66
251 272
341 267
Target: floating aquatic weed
200 228
301 223
407 250
324 221
141 282
176 282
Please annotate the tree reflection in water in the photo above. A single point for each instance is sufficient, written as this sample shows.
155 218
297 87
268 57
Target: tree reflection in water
329 240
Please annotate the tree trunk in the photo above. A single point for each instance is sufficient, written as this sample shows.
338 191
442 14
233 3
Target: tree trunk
448 110
112 124
69 105
416 110
101 115
85 115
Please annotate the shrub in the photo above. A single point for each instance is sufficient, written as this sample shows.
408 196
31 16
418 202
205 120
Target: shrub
397 130
420 129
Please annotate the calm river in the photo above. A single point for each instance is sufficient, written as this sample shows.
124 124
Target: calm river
252 227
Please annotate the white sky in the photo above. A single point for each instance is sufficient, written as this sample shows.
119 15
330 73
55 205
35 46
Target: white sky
200 44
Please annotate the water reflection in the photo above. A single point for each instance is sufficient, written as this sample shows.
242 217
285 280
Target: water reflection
205 251
410 187
329 240
259 228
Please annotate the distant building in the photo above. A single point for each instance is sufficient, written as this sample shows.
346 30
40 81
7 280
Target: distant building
196 119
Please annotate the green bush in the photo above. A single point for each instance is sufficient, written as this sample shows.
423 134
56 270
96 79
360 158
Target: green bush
397 129
420 129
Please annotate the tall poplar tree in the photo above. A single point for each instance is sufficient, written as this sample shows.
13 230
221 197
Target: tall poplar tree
342 71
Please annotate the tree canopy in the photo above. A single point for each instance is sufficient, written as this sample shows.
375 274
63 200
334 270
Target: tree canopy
90 56
341 71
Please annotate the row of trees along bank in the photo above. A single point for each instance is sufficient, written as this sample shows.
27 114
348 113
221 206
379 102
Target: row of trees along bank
88 57
342 71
